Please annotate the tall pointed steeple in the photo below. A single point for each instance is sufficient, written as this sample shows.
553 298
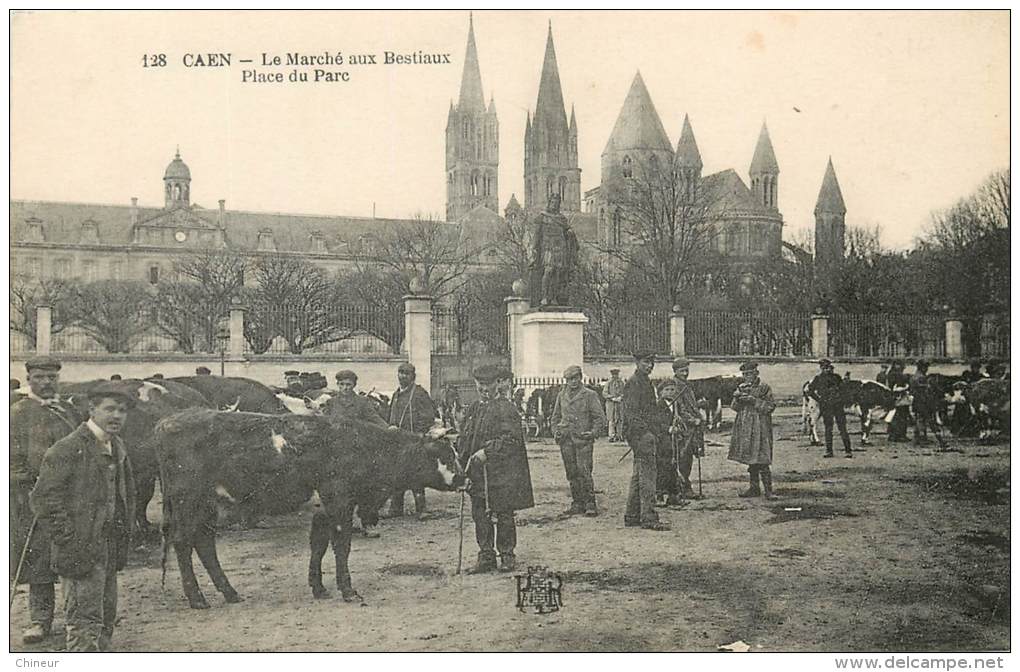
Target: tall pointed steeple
638 126
830 231
471 80
830 196
472 142
687 154
764 171
550 155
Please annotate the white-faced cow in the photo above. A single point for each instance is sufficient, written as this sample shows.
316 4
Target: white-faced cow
868 398
207 454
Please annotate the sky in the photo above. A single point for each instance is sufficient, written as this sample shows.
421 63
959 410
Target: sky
912 106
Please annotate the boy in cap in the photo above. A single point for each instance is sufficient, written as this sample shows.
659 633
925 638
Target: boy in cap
411 409
643 424
491 447
577 418
751 441
85 499
614 395
685 423
38 420
826 389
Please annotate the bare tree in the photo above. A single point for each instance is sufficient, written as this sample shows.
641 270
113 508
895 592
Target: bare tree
667 225
113 313
27 295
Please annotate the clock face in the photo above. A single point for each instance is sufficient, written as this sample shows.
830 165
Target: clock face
180 236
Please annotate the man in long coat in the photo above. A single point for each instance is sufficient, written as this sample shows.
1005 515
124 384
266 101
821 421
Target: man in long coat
492 449
751 441
38 420
614 395
411 409
643 423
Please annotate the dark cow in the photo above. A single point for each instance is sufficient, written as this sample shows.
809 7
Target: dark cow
989 399
863 397
235 394
204 454
713 394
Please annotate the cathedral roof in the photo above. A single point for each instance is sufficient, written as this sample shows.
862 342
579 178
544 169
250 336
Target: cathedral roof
638 126
550 110
687 153
830 197
764 160
177 169
471 97
727 194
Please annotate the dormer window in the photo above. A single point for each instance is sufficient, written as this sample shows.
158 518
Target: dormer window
318 242
34 230
89 232
628 168
266 242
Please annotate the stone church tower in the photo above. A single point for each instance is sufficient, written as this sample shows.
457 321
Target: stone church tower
830 231
764 172
550 144
177 183
472 143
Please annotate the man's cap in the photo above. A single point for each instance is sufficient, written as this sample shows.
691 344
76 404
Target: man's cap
749 366
406 367
976 361
304 374
504 373
643 355
487 373
203 371
42 363
667 383
288 374
156 376
825 363
922 363
681 363
572 371
898 362
346 374
116 376
614 370
115 390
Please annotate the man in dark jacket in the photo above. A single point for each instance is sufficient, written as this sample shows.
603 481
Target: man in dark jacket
899 383
825 388
643 423
38 420
85 500
685 425
411 408
924 405
491 446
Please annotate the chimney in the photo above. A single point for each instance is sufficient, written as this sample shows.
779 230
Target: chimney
134 211
221 220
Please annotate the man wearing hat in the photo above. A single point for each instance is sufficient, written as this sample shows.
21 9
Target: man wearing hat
577 418
751 440
899 383
492 450
973 374
643 424
924 405
826 389
411 409
85 500
39 418
614 395
203 371
685 424
292 383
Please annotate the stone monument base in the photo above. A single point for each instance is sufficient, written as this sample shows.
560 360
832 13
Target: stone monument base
551 341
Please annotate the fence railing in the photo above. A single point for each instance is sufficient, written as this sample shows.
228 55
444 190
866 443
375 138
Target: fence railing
457 331
624 332
886 335
338 330
748 334
993 337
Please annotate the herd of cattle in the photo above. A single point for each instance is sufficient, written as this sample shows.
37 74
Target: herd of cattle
221 441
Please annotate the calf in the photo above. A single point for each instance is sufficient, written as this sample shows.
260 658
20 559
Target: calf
204 454
864 397
713 394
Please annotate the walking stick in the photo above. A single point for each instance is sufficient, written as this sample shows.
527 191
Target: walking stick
460 547
701 495
21 562
624 455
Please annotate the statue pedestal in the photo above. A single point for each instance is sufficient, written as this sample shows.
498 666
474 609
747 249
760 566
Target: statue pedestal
551 341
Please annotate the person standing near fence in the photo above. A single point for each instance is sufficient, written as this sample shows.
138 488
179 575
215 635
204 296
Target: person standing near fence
899 383
38 420
577 418
614 395
825 388
751 441
411 409
924 405
643 424
686 425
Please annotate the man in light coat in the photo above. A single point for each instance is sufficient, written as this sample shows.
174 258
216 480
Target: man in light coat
577 418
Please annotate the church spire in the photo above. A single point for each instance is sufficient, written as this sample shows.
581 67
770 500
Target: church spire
550 94
830 196
638 125
764 171
471 81
687 154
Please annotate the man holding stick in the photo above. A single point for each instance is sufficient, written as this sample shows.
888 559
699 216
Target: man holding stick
686 425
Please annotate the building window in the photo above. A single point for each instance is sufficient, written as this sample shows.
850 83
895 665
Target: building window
117 270
466 129
563 186
474 184
89 271
616 234
628 169
153 274
63 269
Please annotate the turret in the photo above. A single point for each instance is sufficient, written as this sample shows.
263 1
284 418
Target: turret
764 171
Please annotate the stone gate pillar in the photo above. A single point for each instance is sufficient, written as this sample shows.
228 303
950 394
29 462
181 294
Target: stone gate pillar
236 344
418 336
820 336
677 333
954 338
43 327
516 309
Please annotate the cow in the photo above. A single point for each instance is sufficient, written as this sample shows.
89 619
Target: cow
866 398
713 394
990 399
540 408
204 454
227 393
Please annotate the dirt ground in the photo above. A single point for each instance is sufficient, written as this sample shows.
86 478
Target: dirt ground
898 549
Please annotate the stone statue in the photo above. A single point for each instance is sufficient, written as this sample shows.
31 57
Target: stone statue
553 256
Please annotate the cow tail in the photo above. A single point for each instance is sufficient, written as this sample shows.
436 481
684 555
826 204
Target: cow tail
165 527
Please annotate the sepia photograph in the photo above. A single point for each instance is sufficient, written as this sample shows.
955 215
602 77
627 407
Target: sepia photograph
544 331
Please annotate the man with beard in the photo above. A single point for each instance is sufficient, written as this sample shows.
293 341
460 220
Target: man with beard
411 409
38 420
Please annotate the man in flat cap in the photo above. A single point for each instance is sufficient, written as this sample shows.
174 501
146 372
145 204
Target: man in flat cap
411 409
492 450
685 429
924 405
826 389
577 418
292 383
899 383
504 382
85 500
203 371
643 425
751 440
614 395
38 420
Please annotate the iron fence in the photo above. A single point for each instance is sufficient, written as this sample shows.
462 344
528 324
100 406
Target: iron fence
748 334
347 329
457 330
626 332
886 335
994 337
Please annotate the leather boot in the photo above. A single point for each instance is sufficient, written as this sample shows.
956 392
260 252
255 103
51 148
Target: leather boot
507 562
753 490
486 563
766 481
